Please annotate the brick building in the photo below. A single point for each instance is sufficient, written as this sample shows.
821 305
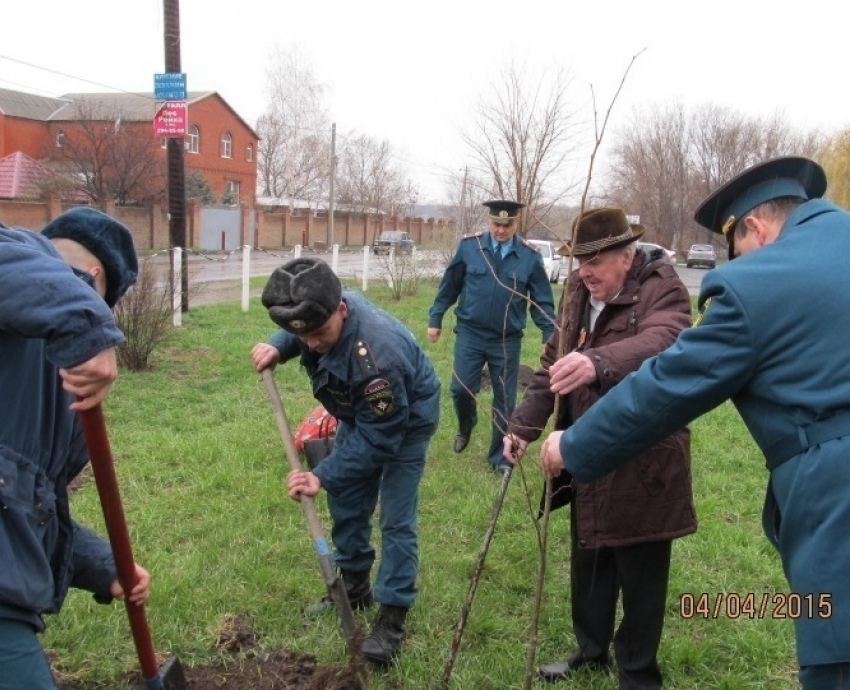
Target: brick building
220 145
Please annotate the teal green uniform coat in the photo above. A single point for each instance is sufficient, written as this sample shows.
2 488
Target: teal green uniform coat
774 338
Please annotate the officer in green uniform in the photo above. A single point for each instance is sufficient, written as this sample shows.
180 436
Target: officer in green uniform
772 336
496 278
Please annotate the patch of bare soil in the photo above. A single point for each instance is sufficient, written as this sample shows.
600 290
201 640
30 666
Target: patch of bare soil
242 665
525 376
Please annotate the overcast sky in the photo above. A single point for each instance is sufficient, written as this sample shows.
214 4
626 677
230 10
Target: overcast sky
411 73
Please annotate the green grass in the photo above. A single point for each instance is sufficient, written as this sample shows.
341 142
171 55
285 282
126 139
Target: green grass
202 472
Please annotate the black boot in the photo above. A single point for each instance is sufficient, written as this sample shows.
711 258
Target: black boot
387 634
358 588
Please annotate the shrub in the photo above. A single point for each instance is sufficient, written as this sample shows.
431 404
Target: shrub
144 316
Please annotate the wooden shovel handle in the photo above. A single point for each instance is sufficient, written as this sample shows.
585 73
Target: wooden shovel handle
103 466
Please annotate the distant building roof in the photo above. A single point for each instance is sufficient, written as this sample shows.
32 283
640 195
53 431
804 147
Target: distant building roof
28 105
20 176
132 107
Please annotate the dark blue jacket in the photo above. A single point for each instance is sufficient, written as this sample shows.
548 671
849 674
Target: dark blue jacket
482 302
49 318
773 337
376 380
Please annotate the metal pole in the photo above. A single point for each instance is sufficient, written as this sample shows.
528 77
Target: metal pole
176 171
461 230
177 264
246 276
333 176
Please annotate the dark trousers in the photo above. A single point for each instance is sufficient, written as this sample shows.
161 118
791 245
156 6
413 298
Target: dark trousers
598 576
826 677
396 483
23 663
472 351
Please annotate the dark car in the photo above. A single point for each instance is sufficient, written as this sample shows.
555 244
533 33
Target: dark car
393 239
702 255
649 247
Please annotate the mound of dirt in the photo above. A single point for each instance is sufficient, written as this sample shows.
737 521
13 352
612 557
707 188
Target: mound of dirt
525 376
242 664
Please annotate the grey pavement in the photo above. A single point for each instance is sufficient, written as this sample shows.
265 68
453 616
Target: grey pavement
217 276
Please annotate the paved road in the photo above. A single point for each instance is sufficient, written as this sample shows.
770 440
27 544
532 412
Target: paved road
217 276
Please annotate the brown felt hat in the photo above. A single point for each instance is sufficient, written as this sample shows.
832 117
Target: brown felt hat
600 229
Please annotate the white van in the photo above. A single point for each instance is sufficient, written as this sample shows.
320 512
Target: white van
551 260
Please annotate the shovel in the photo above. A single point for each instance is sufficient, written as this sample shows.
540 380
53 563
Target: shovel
171 676
336 587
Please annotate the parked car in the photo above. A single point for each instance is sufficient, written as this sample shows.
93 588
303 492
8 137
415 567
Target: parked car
551 259
392 239
648 247
702 255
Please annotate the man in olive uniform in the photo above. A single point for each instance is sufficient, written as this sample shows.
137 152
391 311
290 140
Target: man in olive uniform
370 373
496 278
771 336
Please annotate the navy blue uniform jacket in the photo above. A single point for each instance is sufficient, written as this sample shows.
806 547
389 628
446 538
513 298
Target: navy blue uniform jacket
774 338
376 379
49 318
482 303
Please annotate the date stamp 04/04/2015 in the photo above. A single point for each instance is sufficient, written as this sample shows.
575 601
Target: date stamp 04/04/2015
754 605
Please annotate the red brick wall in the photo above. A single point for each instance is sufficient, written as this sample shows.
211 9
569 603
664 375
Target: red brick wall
149 225
278 228
25 214
29 136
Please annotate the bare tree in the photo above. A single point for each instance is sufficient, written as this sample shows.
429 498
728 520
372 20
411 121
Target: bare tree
835 157
369 178
650 173
667 160
466 194
522 138
106 160
294 130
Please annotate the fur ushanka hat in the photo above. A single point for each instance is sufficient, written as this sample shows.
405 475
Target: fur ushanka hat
302 295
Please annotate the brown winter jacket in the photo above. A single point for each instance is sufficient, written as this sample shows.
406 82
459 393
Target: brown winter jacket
649 499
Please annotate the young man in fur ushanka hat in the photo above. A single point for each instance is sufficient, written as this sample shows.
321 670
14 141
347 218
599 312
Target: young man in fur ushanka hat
370 373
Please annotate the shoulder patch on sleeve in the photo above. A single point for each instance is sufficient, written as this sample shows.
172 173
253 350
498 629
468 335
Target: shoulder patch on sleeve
379 396
364 357
702 312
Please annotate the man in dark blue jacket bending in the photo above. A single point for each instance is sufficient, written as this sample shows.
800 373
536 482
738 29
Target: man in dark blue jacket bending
57 356
371 374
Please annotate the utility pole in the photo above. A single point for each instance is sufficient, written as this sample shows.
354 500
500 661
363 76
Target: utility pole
333 180
460 230
176 171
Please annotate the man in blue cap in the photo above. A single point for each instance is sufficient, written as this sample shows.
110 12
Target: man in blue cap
57 356
496 278
772 337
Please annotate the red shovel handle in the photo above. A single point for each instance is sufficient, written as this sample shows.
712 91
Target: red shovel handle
103 467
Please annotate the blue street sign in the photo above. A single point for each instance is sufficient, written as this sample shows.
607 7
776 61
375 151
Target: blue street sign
170 86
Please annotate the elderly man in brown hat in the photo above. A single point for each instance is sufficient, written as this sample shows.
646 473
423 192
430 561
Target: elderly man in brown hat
623 306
